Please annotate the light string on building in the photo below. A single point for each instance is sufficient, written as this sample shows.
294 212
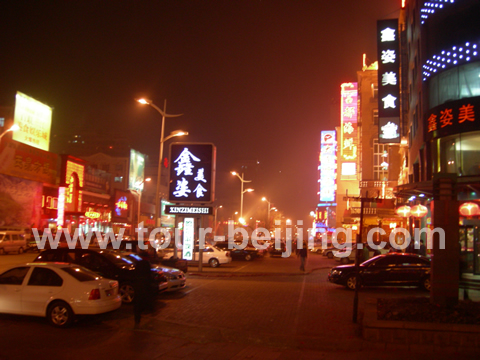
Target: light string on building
429 8
457 55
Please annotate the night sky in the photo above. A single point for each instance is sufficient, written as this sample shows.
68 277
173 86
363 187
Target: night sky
258 78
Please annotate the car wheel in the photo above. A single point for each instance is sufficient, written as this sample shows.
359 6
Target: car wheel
127 293
60 314
248 257
330 255
344 260
214 263
2 252
351 282
20 250
426 284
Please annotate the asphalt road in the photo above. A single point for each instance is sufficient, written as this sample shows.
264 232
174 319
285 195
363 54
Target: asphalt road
266 308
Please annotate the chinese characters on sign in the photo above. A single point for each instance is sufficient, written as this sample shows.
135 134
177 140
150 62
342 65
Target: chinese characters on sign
453 117
388 81
34 120
348 117
188 238
192 172
328 165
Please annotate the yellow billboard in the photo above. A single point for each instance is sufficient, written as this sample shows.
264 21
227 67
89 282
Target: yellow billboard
34 120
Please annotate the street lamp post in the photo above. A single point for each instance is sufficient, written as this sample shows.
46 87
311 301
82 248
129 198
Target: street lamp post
268 212
139 194
242 180
215 221
162 140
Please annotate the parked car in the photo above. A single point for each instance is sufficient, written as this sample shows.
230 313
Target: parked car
175 277
383 270
338 254
12 241
248 253
110 264
212 256
58 291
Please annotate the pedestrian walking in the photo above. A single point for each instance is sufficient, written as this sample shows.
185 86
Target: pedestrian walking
143 296
303 256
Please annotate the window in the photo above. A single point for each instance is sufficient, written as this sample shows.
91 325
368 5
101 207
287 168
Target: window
81 274
44 277
2 122
14 276
118 179
380 161
375 116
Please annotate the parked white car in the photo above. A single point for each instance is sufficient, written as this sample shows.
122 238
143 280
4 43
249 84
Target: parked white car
58 291
212 255
12 241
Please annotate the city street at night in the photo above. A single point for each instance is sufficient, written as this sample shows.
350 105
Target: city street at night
264 308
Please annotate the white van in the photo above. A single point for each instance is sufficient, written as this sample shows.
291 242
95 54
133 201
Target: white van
12 241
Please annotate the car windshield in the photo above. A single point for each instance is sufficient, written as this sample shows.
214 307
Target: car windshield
81 274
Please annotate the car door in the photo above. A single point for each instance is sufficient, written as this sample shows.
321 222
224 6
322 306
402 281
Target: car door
378 272
407 270
11 285
43 284
95 262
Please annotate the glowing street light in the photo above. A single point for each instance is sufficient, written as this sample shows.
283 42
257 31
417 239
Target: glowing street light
242 191
162 140
268 212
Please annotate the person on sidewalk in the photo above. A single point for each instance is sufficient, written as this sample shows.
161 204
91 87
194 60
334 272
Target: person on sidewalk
143 297
303 256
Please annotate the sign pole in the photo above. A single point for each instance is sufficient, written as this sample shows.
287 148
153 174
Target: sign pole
357 261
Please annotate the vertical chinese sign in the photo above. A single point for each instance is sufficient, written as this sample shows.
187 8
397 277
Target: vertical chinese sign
192 173
349 137
388 82
328 166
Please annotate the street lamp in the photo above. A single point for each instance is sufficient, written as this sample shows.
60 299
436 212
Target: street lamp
162 140
268 212
139 194
215 221
242 180
14 127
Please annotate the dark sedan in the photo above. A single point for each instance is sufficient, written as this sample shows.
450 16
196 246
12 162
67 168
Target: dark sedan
385 270
248 253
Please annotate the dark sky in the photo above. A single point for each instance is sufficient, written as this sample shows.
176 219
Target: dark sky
258 78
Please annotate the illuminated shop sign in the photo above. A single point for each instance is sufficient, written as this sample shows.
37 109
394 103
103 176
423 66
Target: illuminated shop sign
348 117
34 120
388 82
328 165
200 210
61 206
453 117
92 214
188 238
137 170
192 172
121 205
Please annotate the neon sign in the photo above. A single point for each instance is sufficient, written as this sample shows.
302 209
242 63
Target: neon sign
328 165
192 172
121 205
92 214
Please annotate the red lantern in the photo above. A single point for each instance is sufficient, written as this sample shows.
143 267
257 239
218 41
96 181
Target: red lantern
419 211
469 209
403 211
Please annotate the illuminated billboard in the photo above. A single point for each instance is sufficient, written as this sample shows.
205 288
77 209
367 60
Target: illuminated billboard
192 172
349 126
34 120
388 81
328 165
136 173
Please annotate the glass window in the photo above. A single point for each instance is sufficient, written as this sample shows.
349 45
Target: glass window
459 154
14 276
380 161
80 273
44 277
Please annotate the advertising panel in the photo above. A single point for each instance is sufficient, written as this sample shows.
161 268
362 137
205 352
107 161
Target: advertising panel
192 173
27 162
188 238
136 173
388 81
34 120
328 165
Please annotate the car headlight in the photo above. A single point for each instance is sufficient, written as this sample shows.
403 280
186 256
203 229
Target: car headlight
336 272
169 276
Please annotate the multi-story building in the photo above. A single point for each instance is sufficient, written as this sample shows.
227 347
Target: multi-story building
441 67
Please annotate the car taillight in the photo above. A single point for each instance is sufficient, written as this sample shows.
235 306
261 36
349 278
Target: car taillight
94 294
